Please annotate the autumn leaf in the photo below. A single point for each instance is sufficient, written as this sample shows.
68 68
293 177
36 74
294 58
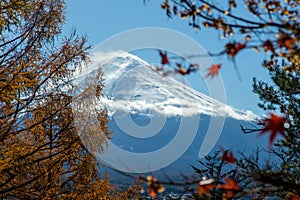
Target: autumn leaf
233 48
230 187
275 125
286 41
204 186
228 156
268 46
213 70
154 186
164 58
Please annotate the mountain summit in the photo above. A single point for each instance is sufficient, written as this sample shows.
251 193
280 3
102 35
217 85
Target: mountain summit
132 85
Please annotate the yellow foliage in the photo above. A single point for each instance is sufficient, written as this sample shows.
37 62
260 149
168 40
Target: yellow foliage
41 153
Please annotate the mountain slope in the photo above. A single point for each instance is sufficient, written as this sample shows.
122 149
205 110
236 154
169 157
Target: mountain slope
158 120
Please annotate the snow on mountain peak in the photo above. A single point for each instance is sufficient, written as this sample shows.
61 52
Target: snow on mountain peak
131 85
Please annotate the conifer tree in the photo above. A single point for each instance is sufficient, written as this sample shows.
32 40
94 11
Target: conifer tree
42 155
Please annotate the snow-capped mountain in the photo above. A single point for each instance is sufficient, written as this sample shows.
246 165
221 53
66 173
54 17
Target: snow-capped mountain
157 121
131 85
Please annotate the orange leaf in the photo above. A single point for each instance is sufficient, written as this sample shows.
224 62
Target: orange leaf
274 125
204 186
204 189
230 187
213 70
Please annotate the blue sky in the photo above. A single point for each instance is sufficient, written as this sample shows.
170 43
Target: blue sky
101 19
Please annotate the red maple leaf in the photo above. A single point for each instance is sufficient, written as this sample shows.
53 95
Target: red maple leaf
274 125
230 187
233 48
213 70
164 58
228 156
